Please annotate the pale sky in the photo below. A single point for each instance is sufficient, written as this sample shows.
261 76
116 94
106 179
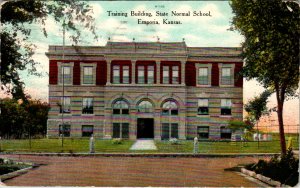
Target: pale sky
201 31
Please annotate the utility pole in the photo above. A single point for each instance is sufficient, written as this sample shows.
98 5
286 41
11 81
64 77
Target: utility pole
63 87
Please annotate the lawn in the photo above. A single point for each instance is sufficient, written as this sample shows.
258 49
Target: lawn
82 145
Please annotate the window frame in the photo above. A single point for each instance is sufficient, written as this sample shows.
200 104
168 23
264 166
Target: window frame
62 130
169 111
88 135
224 135
116 69
88 111
226 110
122 132
207 66
222 67
60 66
168 130
144 110
203 107
203 134
63 104
121 111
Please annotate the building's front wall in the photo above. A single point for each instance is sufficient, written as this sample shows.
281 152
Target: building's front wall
105 92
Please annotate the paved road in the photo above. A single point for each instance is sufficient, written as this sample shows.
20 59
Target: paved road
131 171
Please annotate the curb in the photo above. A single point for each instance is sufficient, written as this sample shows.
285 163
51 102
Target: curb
262 178
10 175
192 155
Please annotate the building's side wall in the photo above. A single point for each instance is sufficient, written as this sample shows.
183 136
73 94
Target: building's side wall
214 120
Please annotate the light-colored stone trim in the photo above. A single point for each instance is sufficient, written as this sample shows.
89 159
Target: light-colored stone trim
108 72
157 72
60 64
208 66
133 63
182 73
231 66
82 65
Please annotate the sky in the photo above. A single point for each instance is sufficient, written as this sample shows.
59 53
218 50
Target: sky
200 31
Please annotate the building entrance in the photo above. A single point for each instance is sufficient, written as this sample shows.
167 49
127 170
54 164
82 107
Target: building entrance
145 128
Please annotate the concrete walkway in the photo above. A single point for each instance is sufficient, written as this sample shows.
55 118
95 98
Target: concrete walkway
144 145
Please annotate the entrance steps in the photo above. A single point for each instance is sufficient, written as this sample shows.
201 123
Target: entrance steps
144 145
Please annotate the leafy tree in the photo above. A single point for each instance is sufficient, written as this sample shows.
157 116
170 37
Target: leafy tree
17 50
271 47
19 119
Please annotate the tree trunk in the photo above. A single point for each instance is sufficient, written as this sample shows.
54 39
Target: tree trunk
280 101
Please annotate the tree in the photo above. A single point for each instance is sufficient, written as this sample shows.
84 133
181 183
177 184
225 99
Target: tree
16 49
271 47
19 119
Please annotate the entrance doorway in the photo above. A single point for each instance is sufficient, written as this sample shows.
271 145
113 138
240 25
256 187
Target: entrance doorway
145 128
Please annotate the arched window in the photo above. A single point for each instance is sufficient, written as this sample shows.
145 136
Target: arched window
120 107
145 106
169 108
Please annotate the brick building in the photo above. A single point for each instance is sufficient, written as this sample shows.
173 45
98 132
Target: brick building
144 90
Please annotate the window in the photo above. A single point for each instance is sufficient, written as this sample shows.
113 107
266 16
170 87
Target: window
64 130
65 105
165 74
145 107
175 75
203 76
66 75
150 75
120 107
203 107
226 76
203 132
88 75
225 106
116 74
225 133
125 74
169 108
169 130
87 106
120 130
141 74
87 130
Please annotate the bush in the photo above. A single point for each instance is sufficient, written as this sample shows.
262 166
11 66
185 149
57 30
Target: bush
284 169
117 141
174 141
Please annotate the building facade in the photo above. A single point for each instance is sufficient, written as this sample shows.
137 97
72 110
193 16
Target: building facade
135 90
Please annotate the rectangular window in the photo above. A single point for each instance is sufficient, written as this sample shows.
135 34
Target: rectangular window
175 75
87 106
87 130
165 131
169 131
165 74
225 106
150 75
225 133
120 130
66 75
203 132
203 76
116 130
65 130
174 130
203 107
141 74
65 105
125 74
226 76
116 74
87 75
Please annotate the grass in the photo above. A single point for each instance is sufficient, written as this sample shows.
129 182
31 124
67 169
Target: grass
82 145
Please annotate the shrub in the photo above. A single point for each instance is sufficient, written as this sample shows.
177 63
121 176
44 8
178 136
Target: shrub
117 141
284 169
174 141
